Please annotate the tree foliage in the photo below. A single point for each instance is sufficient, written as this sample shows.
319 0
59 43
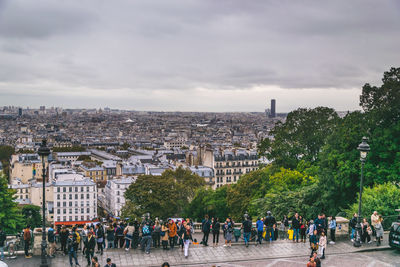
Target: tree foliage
300 137
10 214
162 196
31 215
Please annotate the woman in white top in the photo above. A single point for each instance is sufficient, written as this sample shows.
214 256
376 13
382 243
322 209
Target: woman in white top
322 244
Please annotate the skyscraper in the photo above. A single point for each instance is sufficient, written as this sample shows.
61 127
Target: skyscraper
273 108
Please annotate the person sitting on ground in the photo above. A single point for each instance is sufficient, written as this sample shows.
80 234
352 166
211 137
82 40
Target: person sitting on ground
316 259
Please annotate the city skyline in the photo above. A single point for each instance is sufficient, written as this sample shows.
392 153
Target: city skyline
227 56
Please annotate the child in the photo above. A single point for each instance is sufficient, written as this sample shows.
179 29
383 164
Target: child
275 229
322 245
314 242
290 233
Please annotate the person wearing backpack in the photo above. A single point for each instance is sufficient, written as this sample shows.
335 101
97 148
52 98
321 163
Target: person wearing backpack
146 236
110 236
77 238
52 242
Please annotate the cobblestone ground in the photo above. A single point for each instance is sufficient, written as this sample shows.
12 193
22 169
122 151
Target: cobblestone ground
279 253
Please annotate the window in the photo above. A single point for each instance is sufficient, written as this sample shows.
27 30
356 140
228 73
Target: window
87 189
58 218
64 189
70 203
76 210
82 210
70 211
81 189
76 189
58 204
70 196
82 217
118 186
88 210
64 204
117 193
70 189
64 211
76 196
70 218
117 199
87 196
64 196
58 196
64 218
58 211
58 189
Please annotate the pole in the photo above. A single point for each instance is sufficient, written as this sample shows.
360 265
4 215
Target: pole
357 242
44 245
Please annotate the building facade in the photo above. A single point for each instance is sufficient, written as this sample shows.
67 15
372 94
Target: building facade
114 194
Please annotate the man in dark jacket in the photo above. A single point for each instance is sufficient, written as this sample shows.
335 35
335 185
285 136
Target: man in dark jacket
90 245
320 224
3 238
71 247
247 225
205 228
52 242
296 227
269 223
100 238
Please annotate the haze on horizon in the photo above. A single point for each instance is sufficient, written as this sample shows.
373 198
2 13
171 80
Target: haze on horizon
187 55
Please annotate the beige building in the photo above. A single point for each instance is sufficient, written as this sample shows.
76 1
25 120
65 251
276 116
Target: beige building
26 167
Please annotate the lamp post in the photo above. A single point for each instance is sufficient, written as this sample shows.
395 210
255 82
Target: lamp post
363 148
43 152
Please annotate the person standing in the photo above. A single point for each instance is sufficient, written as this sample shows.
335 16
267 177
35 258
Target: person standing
156 234
146 236
332 228
172 231
269 223
27 241
64 233
353 223
71 247
3 238
311 229
303 229
228 230
216 226
110 236
90 245
296 227
52 241
129 230
109 263
260 230
205 228
164 236
99 238
84 234
187 238
180 231
374 221
119 236
246 225
322 244
379 231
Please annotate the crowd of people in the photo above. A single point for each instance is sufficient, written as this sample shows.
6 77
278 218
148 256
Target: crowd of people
179 233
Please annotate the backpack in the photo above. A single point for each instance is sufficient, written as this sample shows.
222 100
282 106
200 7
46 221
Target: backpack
162 233
145 229
77 238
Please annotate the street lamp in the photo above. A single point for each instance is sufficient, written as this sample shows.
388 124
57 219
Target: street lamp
363 148
43 152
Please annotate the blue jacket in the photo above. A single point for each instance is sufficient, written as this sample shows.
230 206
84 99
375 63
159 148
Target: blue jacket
260 225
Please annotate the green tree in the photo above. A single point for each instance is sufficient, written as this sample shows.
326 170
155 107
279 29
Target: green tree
10 214
31 215
5 155
382 103
300 137
384 198
163 196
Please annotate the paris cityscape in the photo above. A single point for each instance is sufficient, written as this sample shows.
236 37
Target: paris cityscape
199 133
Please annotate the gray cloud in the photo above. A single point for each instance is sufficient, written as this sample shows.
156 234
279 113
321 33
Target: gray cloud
180 45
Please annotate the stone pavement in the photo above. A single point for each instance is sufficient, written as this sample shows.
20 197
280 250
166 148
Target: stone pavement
203 256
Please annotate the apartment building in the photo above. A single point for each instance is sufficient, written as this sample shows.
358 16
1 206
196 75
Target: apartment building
114 194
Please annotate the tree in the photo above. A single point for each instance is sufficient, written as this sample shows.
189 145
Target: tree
31 215
163 196
125 146
300 137
384 198
5 155
383 103
10 214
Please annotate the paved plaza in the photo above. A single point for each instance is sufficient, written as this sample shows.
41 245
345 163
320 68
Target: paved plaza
279 253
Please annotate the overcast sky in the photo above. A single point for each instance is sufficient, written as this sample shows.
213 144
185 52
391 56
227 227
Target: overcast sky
203 55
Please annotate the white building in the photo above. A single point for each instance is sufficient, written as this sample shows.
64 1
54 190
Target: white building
75 199
114 194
